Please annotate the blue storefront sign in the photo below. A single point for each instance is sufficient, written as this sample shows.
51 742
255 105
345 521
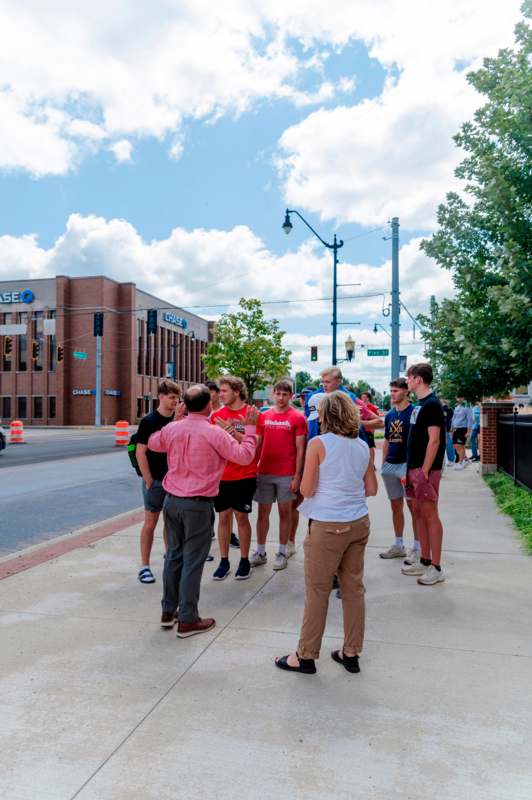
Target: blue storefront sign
17 296
173 319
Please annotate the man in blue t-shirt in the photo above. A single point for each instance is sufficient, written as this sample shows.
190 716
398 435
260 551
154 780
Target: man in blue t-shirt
393 472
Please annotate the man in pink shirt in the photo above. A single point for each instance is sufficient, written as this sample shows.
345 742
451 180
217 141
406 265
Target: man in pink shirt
197 453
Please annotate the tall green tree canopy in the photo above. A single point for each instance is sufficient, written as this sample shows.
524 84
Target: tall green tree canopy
480 341
249 346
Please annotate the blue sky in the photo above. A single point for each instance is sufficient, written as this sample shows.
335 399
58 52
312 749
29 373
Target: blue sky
174 165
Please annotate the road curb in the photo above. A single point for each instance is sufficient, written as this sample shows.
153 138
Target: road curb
47 551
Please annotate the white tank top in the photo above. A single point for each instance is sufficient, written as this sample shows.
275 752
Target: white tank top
340 494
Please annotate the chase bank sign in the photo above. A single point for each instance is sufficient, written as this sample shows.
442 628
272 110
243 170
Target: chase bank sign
25 296
173 319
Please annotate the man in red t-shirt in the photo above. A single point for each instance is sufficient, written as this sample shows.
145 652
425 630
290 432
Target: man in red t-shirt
282 434
238 483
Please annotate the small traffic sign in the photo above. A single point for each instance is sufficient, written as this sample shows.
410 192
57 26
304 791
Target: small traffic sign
383 352
80 355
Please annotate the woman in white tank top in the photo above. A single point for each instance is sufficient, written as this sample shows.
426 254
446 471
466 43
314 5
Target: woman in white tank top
337 479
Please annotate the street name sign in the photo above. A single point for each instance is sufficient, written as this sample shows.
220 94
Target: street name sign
383 352
80 355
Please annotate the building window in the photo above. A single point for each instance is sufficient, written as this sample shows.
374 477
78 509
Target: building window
23 346
147 404
139 407
22 403
51 407
37 408
139 348
6 407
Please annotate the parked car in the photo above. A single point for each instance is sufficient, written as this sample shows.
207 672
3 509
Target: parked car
2 440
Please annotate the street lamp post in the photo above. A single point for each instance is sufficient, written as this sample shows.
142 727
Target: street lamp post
335 246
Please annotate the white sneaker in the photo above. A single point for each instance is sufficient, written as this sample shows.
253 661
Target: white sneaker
257 559
412 557
431 576
414 569
395 551
281 562
290 549
460 465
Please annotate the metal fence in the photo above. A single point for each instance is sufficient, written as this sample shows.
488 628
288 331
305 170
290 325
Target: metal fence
514 447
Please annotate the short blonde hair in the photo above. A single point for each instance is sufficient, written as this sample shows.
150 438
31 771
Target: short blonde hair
235 384
338 414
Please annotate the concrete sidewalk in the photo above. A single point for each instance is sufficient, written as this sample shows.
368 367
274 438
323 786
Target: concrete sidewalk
99 703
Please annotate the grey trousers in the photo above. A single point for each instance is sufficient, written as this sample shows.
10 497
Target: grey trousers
189 527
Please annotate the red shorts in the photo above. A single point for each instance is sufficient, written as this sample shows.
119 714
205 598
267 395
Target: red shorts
419 488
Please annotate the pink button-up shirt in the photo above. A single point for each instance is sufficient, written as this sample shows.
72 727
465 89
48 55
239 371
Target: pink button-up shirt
197 453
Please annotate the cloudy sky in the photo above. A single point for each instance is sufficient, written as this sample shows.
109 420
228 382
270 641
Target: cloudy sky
160 141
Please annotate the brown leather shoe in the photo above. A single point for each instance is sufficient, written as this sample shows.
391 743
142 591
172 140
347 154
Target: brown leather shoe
168 620
185 629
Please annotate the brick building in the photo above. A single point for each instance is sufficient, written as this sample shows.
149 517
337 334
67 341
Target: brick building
48 350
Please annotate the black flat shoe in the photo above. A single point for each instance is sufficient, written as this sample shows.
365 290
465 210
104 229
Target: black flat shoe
350 663
306 665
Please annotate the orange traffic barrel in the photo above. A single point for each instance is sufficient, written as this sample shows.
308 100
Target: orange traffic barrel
16 432
121 433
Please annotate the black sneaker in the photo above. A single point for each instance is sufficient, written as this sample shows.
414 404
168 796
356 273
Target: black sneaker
209 558
244 570
223 570
235 541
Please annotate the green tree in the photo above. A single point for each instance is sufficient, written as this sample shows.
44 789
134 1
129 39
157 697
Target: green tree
249 346
479 342
303 379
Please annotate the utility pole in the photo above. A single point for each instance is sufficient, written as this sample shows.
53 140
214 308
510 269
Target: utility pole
335 298
395 298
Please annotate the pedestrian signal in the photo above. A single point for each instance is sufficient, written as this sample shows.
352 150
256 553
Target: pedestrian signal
60 353
35 349
314 353
152 320
8 346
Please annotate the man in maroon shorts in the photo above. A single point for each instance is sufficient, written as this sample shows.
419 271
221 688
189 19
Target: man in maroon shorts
424 459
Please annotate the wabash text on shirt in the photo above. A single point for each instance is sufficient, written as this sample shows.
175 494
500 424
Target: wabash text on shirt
279 431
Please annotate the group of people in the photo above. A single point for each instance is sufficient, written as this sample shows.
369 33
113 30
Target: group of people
213 452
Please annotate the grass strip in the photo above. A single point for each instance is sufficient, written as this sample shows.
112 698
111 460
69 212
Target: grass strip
514 501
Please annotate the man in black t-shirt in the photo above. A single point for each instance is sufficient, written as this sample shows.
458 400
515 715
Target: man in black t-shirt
424 460
154 467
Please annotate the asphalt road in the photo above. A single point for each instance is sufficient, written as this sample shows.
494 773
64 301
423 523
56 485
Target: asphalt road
56 445
61 481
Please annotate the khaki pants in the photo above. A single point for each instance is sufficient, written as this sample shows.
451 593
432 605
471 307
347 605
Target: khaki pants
334 548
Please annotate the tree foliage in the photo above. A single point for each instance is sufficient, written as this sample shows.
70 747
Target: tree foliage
249 346
480 341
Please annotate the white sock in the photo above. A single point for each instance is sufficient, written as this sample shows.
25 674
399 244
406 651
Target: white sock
145 566
416 546
282 549
399 541
261 549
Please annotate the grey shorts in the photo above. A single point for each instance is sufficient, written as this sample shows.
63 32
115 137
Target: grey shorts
391 476
153 497
272 488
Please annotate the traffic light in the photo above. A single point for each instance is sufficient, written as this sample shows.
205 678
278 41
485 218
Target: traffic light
314 353
35 349
152 320
60 353
8 346
98 324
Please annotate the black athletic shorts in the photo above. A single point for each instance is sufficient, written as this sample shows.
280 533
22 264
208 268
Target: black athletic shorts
237 495
459 436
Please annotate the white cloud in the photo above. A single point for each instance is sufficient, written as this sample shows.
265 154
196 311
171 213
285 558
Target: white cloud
75 76
122 150
394 154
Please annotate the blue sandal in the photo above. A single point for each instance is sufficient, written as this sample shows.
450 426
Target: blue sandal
146 575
